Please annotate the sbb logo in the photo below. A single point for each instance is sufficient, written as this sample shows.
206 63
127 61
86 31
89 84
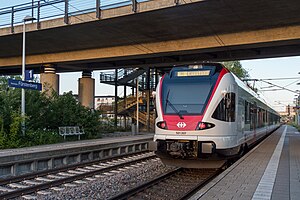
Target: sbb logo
181 124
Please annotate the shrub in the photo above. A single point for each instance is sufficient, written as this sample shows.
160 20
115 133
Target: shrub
44 114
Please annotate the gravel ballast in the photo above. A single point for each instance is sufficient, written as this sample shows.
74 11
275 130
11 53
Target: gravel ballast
109 185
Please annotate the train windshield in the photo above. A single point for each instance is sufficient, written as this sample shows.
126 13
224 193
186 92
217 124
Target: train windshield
187 96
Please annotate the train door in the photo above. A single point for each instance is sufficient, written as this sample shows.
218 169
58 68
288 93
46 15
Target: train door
241 137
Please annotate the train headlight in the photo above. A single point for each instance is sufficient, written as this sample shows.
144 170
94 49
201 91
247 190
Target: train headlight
204 125
162 125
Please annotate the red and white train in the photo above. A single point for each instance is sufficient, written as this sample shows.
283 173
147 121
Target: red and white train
206 115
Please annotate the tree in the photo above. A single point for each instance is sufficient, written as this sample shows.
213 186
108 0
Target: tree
10 101
236 68
44 114
51 112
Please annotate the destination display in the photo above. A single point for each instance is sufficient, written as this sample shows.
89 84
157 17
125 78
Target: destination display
193 73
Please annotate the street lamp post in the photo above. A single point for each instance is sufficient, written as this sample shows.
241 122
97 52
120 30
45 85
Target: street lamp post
27 18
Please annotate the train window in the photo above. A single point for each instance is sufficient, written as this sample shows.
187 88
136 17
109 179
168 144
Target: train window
225 111
260 117
271 119
253 116
247 112
185 97
265 117
188 91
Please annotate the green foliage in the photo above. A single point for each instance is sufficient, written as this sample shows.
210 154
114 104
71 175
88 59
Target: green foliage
37 137
2 134
15 129
44 114
236 68
63 110
10 101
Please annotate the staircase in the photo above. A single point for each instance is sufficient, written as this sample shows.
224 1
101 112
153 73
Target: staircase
130 109
143 118
125 106
126 77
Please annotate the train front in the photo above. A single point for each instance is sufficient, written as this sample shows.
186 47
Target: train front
183 137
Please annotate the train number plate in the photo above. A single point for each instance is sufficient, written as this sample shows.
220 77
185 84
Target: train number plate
180 133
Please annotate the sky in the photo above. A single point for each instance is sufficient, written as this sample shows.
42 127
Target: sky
285 67
6 3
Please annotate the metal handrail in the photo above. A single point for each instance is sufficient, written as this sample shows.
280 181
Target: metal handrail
110 77
45 9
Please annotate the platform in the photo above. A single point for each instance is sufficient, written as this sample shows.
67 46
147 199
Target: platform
72 144
24 160
269 171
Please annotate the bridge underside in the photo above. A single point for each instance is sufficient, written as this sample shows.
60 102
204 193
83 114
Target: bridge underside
166 59
198 31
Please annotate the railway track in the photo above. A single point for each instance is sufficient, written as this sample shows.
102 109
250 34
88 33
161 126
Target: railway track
27 186
177 184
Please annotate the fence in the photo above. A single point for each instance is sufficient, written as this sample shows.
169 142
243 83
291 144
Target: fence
51 9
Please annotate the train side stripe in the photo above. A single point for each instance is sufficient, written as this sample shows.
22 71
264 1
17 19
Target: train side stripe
160 96
222 73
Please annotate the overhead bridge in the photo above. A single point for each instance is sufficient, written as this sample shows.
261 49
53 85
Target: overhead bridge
152 33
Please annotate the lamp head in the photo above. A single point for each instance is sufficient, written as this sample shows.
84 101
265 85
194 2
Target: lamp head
28 18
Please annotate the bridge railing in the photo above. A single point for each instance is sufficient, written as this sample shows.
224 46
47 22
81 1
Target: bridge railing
51 9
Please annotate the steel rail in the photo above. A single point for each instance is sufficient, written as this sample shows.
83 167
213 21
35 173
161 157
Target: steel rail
201 184
60 169
43 186
144 186
148 185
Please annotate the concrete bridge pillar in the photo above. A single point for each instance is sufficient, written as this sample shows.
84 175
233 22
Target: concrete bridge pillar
86 89
49 79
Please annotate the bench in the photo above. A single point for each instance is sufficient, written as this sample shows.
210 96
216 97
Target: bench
70 130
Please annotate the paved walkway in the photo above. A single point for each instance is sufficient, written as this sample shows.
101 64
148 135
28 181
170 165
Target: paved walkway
270 171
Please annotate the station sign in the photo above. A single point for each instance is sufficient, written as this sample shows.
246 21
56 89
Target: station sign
28 75
24 84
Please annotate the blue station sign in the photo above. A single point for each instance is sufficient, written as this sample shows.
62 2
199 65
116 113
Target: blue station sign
24 84
28 75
